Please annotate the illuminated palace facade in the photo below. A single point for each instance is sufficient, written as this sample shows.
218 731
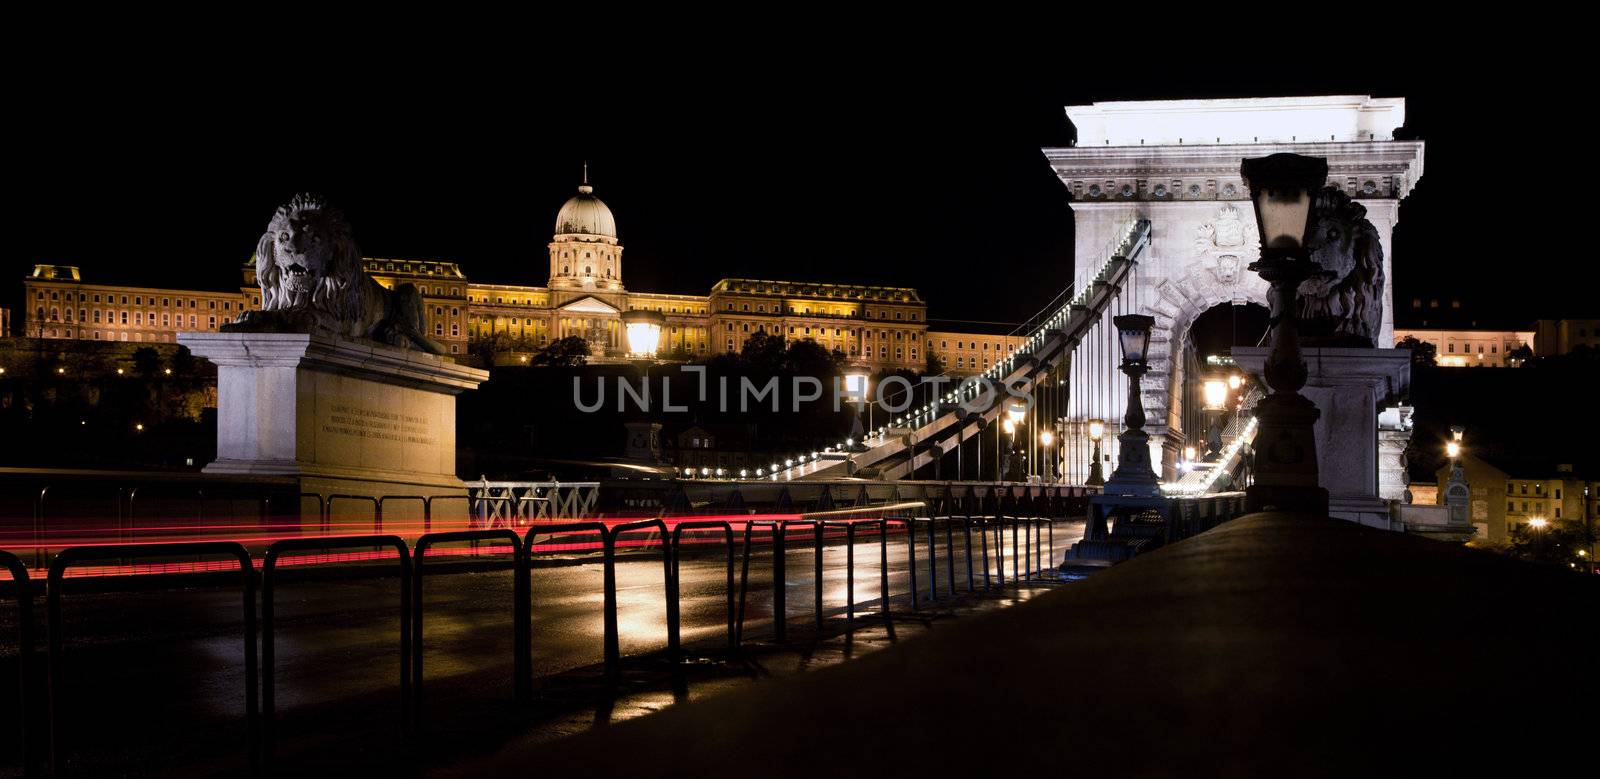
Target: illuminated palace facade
876 327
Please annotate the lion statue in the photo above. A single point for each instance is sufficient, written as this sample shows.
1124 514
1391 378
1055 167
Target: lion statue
1344 304
311 279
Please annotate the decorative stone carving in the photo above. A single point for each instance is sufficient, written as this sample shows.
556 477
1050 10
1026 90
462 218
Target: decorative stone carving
1227 244
309 271
1345 305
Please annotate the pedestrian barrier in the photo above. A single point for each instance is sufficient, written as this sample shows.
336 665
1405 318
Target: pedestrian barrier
525 682
25 712
674 626
1029 537
613 640
427 511
377 510
426 524
519 607
268 628
54 626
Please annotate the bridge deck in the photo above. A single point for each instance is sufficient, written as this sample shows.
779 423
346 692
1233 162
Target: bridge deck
1272 646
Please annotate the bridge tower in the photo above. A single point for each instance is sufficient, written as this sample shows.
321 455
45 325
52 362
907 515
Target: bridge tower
1176 163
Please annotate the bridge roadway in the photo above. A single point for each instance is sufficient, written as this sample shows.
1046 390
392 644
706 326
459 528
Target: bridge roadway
156 676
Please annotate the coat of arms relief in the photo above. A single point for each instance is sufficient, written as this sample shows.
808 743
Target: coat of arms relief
1227 244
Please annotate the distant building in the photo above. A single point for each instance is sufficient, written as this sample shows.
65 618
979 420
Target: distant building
1560 336
713 447
967 354
875 327
5 322
1509 495
60 305
1471 348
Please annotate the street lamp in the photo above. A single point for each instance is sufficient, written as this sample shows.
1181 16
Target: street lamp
1282 188
1133 475
856 382
1097 431
644 332
1216 396
1235 381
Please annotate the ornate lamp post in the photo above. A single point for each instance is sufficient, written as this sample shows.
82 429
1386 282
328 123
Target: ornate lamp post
1133 475
855 386
643 329
1216 395
1457 492
1281 187
1097 431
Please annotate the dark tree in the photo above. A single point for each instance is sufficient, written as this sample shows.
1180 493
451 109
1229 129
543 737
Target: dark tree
183 363
566 352
1422 352
934 366
809 358
763 353
146 362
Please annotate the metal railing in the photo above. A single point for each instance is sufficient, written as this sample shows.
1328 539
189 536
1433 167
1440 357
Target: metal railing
269 569
261 679
56 662
25 712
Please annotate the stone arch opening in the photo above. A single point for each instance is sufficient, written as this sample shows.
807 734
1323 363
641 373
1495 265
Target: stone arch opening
1213 334
1178 303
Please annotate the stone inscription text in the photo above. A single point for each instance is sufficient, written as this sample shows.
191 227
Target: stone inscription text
381 425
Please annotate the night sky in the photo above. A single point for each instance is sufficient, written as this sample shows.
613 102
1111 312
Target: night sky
865 176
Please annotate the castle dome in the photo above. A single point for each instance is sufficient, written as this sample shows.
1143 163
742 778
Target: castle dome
585 214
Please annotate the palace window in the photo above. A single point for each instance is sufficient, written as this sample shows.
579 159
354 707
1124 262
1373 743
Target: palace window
124 317
192 321
211 323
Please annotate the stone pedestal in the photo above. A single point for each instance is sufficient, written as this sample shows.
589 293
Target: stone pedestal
343 417
1347 385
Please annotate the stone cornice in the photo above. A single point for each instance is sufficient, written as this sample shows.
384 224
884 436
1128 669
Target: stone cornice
384 364
1393 166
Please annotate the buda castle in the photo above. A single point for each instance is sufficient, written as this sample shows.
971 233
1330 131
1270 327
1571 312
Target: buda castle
875 327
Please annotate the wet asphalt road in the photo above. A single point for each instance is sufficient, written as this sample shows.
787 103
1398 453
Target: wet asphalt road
155 679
